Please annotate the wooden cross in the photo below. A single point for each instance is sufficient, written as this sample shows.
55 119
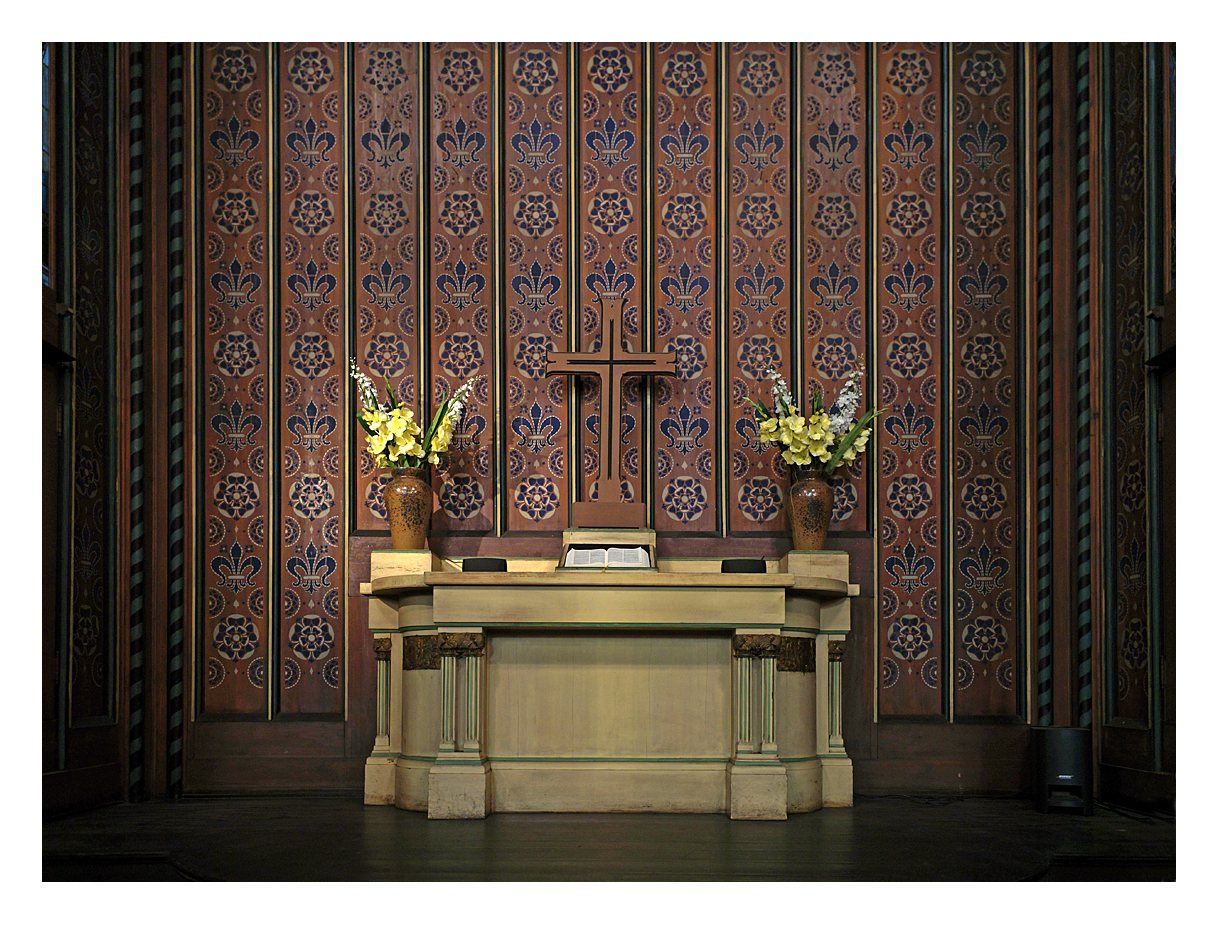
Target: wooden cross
611 363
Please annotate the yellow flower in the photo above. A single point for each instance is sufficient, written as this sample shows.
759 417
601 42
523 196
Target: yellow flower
376 443
818 426
432 458
861 442
443 435
768 430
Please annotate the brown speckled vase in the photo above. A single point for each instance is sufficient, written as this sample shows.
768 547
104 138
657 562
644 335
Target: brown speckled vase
408 504
810 502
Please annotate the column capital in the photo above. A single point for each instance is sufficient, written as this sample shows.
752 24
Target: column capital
381 647
462 645
755 645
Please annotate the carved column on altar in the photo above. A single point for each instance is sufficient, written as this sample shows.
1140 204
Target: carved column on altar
837 771
757 780
457 783
382 647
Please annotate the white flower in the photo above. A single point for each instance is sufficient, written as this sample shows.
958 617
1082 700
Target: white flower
848 400
782 395
368 393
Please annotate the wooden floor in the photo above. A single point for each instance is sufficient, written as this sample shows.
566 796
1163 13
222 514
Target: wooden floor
338 838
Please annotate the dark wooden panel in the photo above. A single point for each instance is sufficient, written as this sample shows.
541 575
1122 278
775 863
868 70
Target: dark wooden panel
266 775
968 776
285 739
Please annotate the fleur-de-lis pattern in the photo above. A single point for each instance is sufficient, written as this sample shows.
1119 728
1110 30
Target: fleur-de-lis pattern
909 348
611 206
312 357
1127 490
983 366
685 216
463 217
537 270
237 400
547 167
759 221
92 634
831 158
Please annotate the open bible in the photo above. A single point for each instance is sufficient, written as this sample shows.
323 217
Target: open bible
609 557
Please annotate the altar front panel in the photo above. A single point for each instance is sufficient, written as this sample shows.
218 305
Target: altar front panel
628 697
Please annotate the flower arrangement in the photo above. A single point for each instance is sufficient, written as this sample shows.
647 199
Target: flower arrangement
395 438
824 440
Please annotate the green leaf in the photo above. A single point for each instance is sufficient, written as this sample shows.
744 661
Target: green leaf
363 423
760 409
849 440
434 425
393 402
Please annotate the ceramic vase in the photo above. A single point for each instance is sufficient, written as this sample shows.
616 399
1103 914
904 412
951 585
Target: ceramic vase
810 502
408 505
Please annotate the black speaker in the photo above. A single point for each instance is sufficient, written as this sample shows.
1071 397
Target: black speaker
743 566
1064 769
485 564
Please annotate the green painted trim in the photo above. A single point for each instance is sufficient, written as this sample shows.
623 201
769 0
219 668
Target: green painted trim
652 626
801 760
502 758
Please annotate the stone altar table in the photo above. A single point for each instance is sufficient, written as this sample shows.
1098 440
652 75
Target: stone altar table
677 689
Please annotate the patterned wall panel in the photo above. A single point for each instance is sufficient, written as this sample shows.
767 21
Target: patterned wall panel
234 344
611 218
385 261
685 219
757 315
313 373
1129 607
457 207
911 346
832 175
464 247
537 184
90 678
986 363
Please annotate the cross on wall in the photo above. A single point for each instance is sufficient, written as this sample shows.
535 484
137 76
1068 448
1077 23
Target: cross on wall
610 364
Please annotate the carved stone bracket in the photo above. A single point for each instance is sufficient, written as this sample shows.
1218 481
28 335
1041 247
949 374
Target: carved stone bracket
796 653
461 645
836 648
381 647
420 653
760 645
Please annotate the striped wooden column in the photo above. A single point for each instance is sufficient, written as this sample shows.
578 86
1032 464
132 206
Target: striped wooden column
135 727
177 422
1083 521
1045 394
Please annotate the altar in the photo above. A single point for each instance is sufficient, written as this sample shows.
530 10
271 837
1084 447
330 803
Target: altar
670 689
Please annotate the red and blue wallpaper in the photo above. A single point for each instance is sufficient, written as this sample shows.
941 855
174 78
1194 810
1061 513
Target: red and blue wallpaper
445 210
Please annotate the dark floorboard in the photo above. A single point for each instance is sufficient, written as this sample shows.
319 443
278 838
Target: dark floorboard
338 838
